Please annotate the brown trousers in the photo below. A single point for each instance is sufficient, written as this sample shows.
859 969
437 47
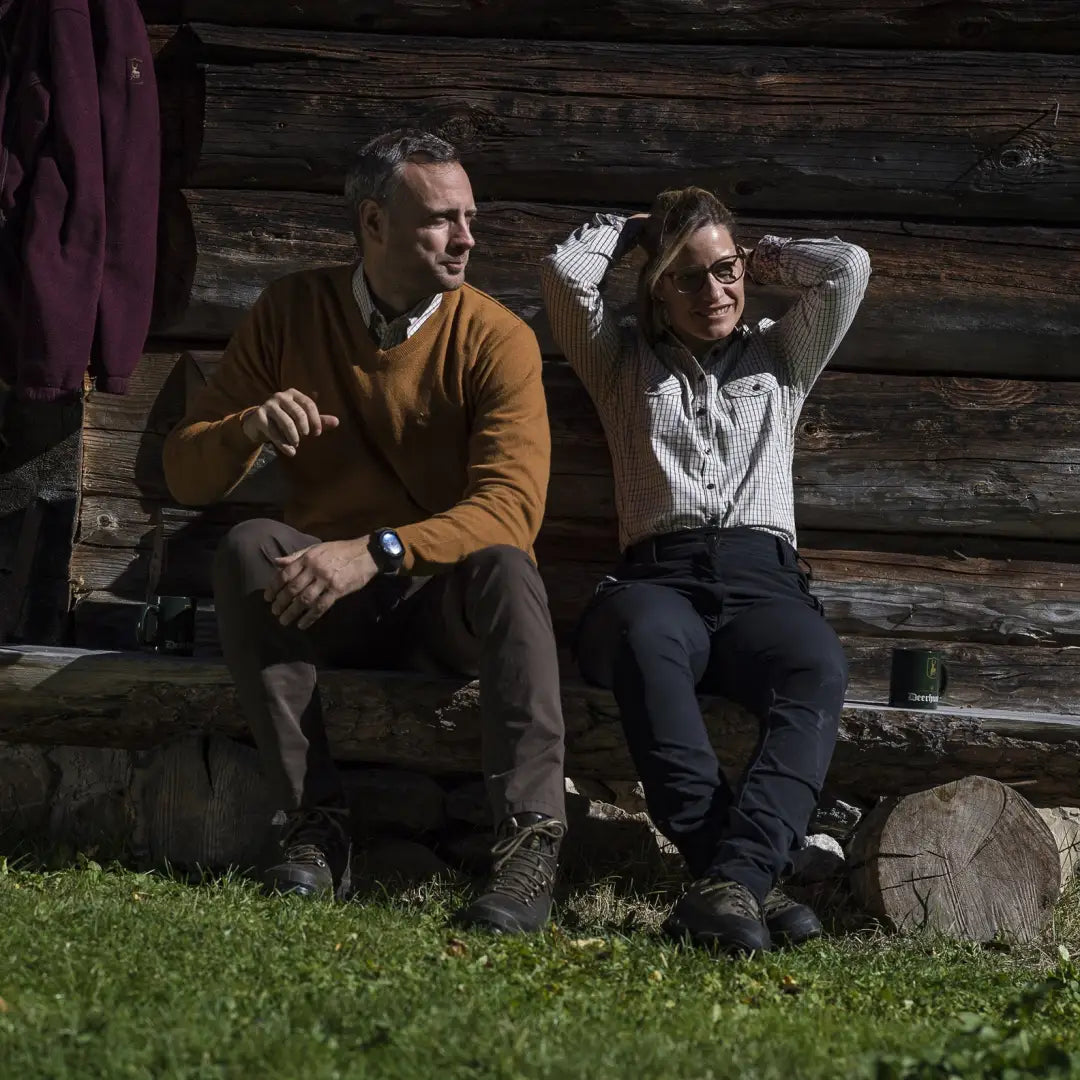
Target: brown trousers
488 616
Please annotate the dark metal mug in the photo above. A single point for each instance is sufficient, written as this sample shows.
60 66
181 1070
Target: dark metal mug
918 678
167 624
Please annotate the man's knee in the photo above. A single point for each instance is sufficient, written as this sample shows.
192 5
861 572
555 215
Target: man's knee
245 551
499 562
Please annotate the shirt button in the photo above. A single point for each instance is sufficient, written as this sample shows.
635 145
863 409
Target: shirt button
708 449
710 487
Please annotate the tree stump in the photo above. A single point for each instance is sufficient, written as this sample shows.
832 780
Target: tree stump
971 859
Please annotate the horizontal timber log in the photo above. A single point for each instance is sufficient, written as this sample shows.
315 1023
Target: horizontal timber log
864 592
873 452
774 129
937 301
86 698
1038 25
1039 678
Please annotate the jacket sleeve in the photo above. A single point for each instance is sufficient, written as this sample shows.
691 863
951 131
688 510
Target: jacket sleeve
509 462
131 154
207 454
63 241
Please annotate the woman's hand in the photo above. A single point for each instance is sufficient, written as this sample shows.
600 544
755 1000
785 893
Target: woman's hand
632 230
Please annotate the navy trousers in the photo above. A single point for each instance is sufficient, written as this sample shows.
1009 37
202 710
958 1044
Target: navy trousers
727 612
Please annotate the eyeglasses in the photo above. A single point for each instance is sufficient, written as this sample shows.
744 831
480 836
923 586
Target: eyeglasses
726 271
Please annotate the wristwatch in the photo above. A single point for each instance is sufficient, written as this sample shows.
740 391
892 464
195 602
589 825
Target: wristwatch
387 550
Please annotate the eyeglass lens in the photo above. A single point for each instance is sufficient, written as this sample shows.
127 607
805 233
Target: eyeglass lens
726 271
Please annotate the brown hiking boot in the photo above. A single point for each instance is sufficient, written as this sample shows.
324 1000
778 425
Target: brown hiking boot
719 914
789 922
517 899
315 854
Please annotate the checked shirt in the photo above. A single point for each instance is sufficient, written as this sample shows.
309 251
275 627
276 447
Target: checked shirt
710 443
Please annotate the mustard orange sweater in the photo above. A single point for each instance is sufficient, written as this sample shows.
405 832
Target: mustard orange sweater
444 437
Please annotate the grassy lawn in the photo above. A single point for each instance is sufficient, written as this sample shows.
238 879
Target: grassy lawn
116 974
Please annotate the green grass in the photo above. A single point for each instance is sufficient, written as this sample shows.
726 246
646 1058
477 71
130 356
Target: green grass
115 974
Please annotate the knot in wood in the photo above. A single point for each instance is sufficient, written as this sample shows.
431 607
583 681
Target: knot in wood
997 395
462 125
1014 163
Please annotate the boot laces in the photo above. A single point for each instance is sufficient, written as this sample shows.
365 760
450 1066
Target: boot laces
308 834
777 901
525 860
737 897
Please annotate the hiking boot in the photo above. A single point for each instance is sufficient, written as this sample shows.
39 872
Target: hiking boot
719 914
517 899
315 854
789 922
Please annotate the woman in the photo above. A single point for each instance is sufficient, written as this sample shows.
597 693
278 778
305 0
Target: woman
700 411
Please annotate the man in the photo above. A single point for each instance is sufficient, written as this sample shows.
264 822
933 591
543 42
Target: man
409 418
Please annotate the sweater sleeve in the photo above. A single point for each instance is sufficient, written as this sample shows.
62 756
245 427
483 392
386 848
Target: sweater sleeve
207 454
508 466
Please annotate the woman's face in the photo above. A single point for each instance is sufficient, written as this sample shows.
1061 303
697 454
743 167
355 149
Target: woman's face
701 309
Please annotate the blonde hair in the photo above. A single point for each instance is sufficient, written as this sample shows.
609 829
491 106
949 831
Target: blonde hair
675 215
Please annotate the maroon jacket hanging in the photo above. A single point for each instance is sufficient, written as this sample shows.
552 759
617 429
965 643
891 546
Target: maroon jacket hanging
79 171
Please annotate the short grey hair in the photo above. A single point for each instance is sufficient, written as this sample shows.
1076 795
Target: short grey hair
376 171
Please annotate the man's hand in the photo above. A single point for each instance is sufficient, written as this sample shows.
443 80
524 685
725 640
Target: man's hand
310 581
284 419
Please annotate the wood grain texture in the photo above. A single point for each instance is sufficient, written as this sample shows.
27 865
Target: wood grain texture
885 453
867 593
1039 25
942 298
124 699
982 676
971 859
777 129
201 801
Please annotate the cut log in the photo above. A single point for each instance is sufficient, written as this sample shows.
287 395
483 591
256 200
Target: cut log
937 300
202 801
116 699
1038 25
972 859
957 135
1064 823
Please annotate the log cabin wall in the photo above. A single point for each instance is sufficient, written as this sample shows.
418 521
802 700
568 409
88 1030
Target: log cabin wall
938 460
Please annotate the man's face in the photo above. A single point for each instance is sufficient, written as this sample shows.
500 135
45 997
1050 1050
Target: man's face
420 241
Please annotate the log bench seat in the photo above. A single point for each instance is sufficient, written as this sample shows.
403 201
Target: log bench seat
132 700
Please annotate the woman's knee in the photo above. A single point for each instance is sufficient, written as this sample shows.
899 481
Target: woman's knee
640 625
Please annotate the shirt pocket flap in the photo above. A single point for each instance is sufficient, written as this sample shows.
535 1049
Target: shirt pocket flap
663 385
750 386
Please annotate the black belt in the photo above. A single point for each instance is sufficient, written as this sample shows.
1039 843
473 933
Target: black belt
654 548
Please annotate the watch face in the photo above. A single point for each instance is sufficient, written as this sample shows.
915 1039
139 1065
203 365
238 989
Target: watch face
391 545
